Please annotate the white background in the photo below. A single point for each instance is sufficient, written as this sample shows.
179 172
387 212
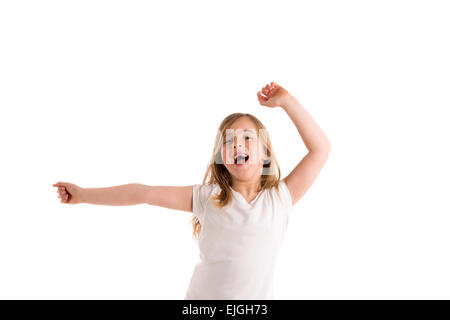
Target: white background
103 93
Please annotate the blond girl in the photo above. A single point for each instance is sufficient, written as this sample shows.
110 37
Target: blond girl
241 210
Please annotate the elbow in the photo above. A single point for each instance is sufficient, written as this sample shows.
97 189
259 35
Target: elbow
326 149
323 147
328 145
139 194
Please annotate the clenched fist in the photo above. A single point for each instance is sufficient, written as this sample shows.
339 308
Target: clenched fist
273 95
69 192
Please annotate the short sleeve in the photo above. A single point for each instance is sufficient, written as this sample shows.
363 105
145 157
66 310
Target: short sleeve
287 201
286 195
200 195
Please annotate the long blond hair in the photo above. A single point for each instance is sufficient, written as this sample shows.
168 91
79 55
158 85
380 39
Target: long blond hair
218 173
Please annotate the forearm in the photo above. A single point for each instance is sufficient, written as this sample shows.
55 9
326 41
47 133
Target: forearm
310 132
122 195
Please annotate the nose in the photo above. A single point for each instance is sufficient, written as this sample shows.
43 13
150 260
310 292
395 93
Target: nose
239 143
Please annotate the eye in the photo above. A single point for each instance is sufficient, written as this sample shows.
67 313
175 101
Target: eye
228 141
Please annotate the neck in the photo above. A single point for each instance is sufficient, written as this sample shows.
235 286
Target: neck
247 188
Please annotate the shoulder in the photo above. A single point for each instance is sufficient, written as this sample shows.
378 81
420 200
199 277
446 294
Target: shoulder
200 196
205 188
203 191
285 193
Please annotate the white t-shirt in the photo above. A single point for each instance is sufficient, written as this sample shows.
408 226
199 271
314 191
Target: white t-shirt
238 244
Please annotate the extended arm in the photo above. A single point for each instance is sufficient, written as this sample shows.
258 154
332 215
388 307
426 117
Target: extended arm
122 195
171 197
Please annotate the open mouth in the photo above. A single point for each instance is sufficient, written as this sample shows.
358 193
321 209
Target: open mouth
241 159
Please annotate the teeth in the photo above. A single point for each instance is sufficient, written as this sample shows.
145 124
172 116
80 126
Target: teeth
240 154
240 158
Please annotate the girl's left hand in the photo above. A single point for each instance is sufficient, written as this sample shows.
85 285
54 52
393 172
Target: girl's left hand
275 95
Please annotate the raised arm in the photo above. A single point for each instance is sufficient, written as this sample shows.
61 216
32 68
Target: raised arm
305 173
171 197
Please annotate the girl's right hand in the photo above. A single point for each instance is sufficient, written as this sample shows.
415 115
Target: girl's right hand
69 192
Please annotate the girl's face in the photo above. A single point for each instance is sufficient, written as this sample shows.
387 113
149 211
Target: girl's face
242 150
